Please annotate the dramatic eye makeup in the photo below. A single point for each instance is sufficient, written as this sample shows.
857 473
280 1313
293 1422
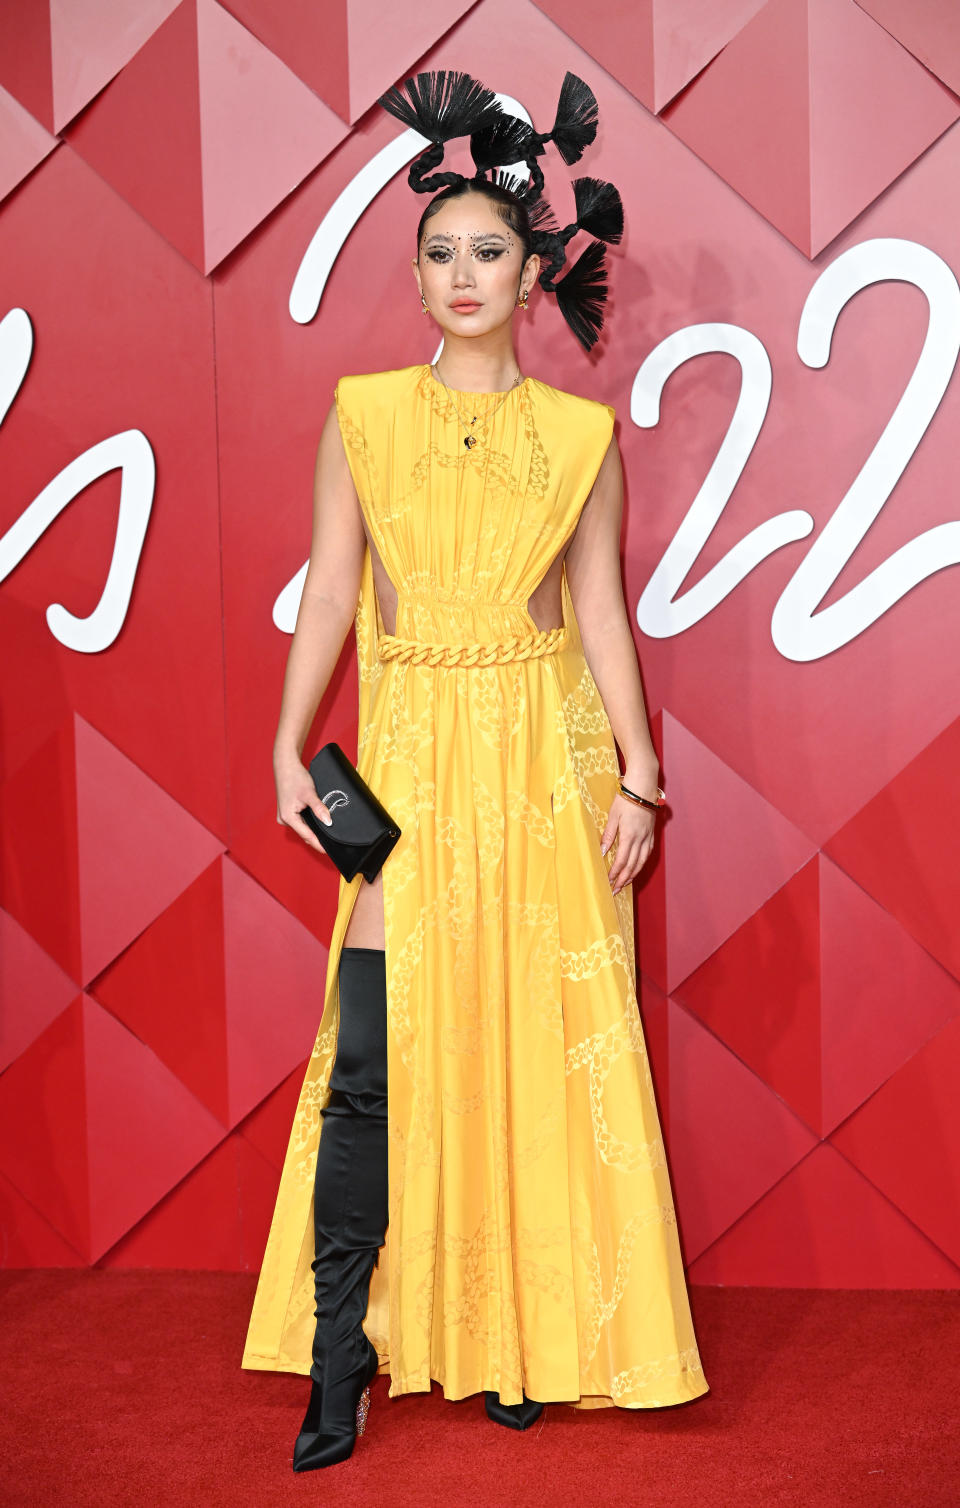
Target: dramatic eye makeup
482 254
484 247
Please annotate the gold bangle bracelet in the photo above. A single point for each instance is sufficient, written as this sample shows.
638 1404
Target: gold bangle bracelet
642 800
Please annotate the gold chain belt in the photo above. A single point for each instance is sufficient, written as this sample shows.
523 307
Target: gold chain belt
524 647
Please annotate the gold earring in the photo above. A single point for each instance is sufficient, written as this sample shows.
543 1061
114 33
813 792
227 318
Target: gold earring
522 301
423 301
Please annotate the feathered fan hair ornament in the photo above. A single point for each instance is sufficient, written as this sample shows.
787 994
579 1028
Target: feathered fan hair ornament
443 105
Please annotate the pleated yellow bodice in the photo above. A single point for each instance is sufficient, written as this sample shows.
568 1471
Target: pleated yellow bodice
532 1243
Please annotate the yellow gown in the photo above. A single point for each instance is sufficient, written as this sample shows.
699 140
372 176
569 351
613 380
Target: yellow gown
532 1242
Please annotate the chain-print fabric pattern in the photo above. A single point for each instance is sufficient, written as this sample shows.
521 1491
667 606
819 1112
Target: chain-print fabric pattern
533 1242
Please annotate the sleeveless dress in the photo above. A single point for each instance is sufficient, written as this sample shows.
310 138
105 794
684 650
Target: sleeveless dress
532 1242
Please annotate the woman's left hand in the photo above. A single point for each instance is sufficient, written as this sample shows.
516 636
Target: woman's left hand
633 827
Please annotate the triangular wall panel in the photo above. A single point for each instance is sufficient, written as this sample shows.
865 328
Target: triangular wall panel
930 29
726 850
906 1139
653 47
168 988
334 49
56 56
129 870
809 113
35 988
226 987
94 1130
43 1128
730 1137
822 1022
215 1219
203 90
144 1130
917 817
270 1125
883 997
23 143
29 1240
824 1226
760 993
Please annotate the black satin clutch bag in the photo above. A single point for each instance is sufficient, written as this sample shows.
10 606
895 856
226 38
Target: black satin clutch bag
362 832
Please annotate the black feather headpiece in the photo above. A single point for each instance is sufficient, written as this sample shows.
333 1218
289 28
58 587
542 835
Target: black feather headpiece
442 105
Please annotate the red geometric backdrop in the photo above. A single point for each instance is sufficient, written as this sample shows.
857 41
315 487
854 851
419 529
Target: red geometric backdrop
204 222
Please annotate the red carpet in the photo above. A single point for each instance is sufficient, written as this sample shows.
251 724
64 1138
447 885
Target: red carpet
126 1388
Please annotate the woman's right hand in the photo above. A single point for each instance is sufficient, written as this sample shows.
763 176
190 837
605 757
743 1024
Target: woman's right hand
295 790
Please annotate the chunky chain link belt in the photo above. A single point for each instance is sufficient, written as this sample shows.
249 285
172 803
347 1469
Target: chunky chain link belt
544 641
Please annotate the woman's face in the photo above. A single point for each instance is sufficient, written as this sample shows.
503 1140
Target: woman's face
470 257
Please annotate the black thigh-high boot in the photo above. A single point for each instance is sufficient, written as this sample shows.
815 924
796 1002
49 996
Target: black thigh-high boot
350 1214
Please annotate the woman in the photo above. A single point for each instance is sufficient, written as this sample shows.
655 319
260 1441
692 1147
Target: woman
488 1205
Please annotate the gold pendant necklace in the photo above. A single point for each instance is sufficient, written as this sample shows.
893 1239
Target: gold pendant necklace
470 440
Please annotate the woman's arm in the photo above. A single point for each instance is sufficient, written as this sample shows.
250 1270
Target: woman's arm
596 589
327 609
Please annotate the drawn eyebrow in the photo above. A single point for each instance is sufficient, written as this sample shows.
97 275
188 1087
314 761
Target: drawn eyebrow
485 235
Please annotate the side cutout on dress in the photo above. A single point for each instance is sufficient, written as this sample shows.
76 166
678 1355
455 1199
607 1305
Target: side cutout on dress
383 588
547 597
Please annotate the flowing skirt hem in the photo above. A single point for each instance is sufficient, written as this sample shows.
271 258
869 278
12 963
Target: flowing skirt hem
695 1386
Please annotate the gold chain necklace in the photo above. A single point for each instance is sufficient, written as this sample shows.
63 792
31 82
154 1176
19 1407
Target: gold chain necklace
470 440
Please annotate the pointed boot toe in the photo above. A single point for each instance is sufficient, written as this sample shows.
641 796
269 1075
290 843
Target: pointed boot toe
512 1415
313 1451
315 1447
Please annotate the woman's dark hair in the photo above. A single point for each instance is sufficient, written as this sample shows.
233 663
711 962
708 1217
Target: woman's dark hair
442 105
